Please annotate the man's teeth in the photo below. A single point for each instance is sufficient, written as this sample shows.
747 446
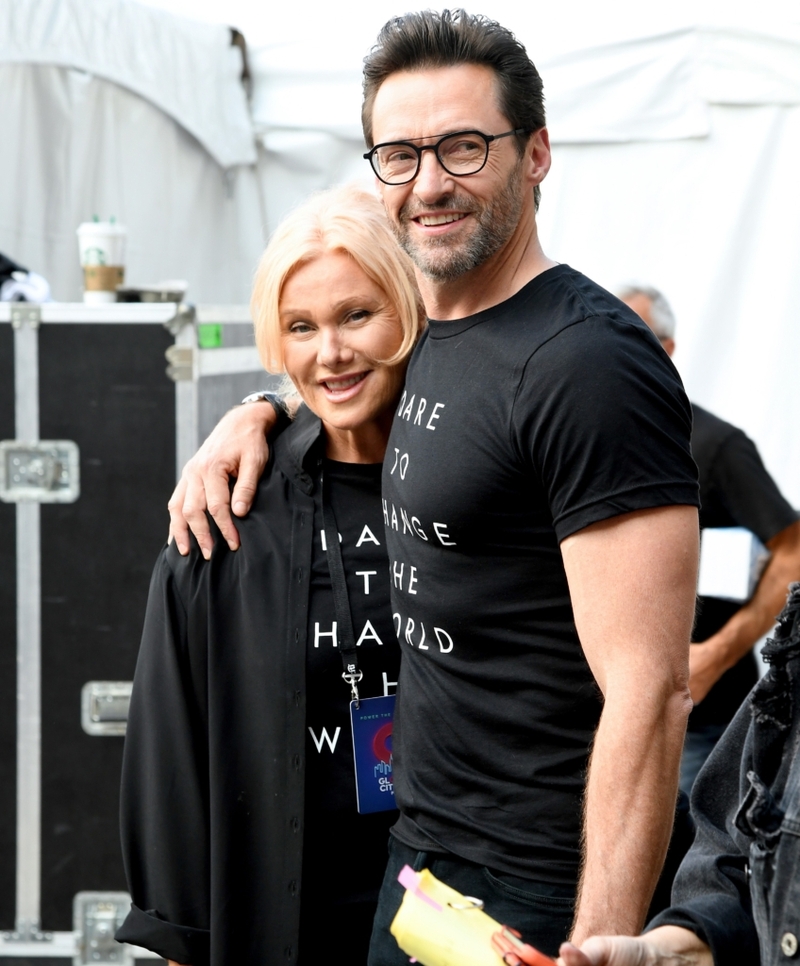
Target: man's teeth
341 384
430 220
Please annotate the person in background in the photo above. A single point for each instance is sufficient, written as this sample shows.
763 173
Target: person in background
737 895
735 491
240 834
540 513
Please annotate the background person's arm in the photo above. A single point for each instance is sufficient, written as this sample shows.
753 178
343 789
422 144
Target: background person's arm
237 447
665 946
711 658
632 582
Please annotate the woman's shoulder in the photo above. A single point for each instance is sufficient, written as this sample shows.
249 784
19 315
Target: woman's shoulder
293 456
288 477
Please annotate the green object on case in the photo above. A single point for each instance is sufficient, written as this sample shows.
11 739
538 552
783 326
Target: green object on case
209 335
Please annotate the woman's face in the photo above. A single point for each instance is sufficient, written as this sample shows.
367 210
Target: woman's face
336 326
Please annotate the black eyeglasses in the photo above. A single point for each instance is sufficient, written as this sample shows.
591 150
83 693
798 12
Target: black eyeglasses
460 154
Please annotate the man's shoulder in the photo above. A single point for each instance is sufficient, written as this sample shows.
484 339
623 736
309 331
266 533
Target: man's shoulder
562 297
580 327
543 308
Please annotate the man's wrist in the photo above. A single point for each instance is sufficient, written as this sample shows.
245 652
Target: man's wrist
275 399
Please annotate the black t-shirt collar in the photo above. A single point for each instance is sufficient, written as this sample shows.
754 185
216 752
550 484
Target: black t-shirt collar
439 329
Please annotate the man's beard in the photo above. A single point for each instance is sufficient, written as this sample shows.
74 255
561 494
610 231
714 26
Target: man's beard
444 259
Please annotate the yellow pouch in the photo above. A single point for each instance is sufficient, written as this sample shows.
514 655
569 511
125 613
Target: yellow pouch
439 927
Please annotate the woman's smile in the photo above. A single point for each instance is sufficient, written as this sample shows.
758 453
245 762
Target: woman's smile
337 386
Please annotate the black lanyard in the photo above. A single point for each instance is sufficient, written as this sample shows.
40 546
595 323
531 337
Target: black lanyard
341 601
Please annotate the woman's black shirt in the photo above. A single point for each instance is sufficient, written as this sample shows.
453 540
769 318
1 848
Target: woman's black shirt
213 798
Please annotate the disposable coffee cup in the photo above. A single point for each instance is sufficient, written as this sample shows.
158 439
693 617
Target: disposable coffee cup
102 251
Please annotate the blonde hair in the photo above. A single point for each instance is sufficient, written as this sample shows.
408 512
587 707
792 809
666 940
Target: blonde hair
346 220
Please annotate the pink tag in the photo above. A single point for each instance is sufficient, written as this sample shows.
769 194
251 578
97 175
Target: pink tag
409 879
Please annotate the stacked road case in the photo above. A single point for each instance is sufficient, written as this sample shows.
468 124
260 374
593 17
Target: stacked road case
93 423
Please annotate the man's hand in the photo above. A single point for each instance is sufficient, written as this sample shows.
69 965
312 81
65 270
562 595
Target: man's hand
236 447
665 946
632 583
709 660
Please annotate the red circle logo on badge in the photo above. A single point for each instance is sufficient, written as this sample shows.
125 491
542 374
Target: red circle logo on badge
380 743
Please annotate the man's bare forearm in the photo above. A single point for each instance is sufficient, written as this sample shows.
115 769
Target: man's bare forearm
632 584
629 810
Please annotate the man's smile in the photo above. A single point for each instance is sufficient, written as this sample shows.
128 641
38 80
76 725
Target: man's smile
429 221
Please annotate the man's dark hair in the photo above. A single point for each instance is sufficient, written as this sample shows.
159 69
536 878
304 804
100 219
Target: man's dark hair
417 41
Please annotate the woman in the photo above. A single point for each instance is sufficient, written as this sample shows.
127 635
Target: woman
240 830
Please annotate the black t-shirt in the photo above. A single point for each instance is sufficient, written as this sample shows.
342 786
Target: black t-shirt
339 844
735 491
518 426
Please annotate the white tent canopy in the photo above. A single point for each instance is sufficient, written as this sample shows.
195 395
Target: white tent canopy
114 108
187 69
676 135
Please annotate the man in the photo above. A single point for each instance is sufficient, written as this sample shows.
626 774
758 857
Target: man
540 517
735 491
737 895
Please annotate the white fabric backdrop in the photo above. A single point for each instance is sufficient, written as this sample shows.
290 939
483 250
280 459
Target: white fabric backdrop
187 69
109 107
83 146
676 137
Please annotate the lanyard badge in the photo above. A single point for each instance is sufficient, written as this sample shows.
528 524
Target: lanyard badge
370 718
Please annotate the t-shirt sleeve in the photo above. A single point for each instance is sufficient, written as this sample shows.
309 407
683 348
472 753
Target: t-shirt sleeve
749 493
602 415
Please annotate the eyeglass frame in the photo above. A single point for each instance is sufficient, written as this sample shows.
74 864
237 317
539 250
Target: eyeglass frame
488 138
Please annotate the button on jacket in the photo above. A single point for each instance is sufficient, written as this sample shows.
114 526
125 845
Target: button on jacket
213 773
739 885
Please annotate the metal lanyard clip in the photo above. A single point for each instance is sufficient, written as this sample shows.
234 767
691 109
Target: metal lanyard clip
352 676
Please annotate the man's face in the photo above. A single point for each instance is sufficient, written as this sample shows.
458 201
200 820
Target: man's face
450 225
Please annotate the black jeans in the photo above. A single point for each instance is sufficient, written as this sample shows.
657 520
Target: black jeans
541 912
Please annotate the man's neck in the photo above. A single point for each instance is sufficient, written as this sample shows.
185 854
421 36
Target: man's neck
491 282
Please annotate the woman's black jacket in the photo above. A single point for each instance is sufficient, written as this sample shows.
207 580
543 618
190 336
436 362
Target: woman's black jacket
213 771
